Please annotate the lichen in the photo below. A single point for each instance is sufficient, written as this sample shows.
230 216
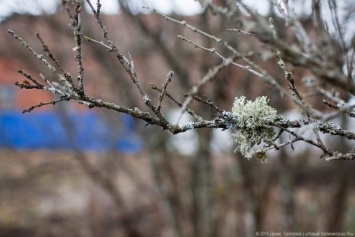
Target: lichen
145 99
187 126
254 119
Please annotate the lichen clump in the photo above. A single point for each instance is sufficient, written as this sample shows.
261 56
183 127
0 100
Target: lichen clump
254 118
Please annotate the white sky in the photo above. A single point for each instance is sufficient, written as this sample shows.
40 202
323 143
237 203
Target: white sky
183 7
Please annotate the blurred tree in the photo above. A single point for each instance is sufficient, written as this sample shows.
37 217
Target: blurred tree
123 64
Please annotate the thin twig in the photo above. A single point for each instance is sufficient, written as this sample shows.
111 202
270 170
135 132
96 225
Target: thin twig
208 102
163 91
78 49
46 49
242 32
52 102
37 55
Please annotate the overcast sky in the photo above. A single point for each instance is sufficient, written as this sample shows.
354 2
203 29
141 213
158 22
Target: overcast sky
184 7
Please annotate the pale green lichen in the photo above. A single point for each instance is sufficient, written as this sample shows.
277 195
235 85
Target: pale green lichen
254 119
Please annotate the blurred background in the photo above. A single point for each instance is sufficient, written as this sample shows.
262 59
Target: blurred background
67 170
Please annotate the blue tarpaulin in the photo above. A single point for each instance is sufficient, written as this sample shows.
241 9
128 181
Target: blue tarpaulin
84 130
